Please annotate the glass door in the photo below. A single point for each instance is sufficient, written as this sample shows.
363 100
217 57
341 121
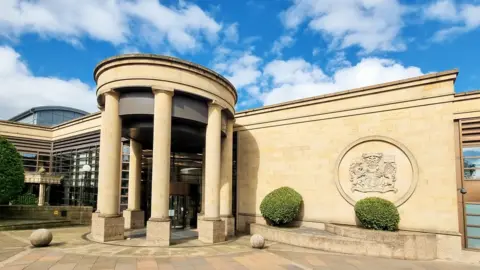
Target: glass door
471 184
177 211
470 181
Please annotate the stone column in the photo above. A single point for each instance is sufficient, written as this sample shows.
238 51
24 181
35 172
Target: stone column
41 195
134 217
226 181
211 227
108 224
202 209
100 160
158 226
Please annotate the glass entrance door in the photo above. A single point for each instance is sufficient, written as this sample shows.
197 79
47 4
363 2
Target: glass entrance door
469 188
177 211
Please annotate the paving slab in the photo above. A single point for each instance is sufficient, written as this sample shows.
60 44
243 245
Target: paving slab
71 250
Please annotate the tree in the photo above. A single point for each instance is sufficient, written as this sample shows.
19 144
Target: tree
12 174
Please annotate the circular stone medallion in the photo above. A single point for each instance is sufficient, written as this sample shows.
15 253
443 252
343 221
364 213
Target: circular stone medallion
376 167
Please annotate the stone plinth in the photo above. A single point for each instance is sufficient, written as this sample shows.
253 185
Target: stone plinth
211 231
107 228
158 232
134 219
356 241
229 226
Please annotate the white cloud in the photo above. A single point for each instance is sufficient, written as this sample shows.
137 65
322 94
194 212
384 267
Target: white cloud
442 10
462 18
307 80
293 71
21 90
339 60
242 71
183 28
231 33
129 50
373 25
285 41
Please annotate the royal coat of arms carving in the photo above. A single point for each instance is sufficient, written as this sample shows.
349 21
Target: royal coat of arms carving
373 172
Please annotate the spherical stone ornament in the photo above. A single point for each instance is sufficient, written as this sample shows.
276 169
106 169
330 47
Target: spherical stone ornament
257 241
41 238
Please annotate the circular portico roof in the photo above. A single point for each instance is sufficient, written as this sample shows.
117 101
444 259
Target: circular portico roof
151 70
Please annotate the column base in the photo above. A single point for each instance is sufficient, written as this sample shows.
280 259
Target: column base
211 231
229 226
106 229
199 218
134 219
158 232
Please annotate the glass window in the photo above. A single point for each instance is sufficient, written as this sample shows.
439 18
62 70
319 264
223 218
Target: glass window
471 152
68 115
45 118
29 161
57 118
473 243
78 187
472 209
473 220
471 163
27 120
471 174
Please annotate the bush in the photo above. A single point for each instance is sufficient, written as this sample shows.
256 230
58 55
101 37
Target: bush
377 213
12 174
25 199
281 206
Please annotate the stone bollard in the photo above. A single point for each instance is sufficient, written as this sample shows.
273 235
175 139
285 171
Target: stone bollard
257 241
41 238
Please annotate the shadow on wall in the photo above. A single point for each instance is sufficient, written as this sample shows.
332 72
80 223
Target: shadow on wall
248 164
248 196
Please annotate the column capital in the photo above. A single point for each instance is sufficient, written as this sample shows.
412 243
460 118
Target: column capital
231 120
215 103
112 92
162 89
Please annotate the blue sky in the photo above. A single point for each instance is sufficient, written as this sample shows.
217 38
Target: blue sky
271 50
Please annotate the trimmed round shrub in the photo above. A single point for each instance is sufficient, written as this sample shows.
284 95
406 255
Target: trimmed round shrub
377 214
281 206
12 174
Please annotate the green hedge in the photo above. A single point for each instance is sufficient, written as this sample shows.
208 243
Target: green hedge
377 213
26 199
281 206
12 174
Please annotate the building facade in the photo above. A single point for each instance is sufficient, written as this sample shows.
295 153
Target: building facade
167 150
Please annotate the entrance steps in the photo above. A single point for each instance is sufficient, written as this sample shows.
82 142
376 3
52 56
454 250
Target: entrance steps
352 240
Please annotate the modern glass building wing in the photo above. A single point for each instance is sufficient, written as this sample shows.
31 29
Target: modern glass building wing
48 115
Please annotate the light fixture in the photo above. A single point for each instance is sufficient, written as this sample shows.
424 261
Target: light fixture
86 168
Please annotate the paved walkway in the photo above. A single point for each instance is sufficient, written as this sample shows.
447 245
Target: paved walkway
70 251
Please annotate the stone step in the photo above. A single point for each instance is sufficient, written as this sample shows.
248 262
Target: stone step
327 241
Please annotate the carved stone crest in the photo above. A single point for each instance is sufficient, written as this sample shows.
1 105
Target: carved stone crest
373 172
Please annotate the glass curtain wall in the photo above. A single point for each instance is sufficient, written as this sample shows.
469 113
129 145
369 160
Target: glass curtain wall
78 187
33 162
